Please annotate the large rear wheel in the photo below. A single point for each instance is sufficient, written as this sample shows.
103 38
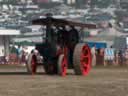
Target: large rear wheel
31 64
82 59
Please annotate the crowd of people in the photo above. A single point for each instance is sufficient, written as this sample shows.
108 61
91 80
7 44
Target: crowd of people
101 56
18 55
109 56
22 54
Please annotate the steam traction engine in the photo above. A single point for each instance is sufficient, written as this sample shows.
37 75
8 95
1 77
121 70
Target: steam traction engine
61 48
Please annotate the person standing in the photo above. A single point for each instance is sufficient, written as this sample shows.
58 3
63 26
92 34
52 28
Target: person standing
126 56
121 57
109 56
93 52
19 54
116 57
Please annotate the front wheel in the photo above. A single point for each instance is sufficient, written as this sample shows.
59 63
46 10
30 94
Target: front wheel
62 65
31 64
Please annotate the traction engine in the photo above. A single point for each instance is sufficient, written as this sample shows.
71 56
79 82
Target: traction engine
61 48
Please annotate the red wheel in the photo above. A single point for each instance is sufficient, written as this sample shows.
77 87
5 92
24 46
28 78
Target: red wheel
82 59
62 65
31 64
85 60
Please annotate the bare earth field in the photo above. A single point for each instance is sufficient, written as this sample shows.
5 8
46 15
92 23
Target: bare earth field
108 81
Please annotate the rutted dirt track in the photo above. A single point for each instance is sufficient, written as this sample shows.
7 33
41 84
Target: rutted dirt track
107 81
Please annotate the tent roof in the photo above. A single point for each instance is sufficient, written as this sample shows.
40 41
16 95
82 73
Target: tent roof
9 32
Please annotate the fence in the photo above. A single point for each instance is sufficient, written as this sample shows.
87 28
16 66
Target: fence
11 59
110 56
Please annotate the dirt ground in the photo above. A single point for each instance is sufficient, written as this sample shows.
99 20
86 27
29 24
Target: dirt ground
108 81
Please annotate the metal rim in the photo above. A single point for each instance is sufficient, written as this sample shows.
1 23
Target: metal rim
85 60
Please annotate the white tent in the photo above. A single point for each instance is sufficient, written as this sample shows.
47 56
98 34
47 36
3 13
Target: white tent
5 40
9 32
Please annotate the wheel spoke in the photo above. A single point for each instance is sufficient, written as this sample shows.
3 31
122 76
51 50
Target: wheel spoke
83 57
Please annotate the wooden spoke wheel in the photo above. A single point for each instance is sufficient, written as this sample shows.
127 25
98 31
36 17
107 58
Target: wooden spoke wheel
82 59
31 64
62 65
